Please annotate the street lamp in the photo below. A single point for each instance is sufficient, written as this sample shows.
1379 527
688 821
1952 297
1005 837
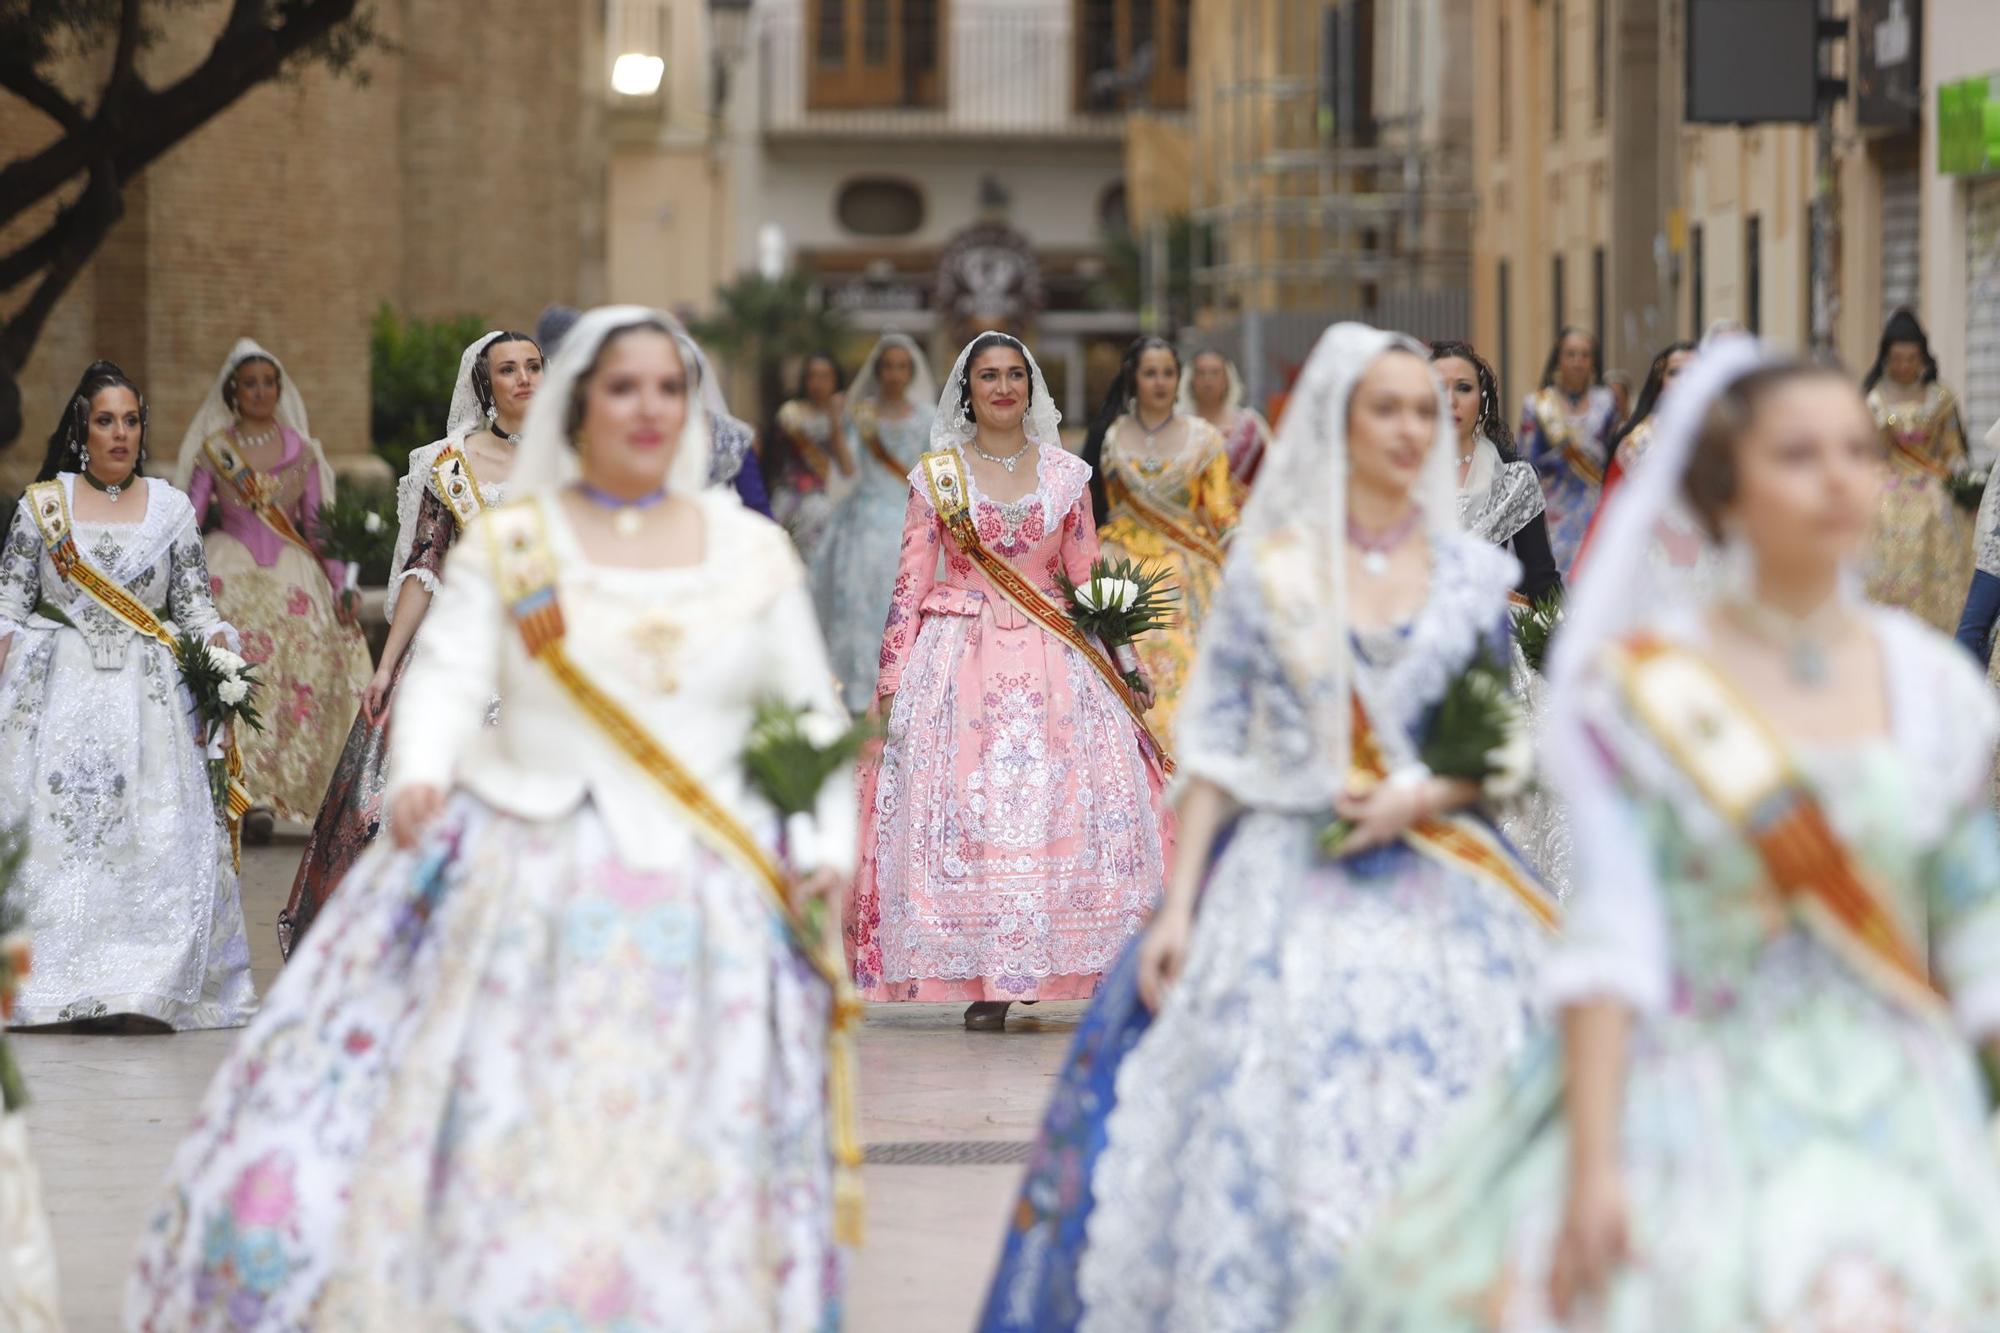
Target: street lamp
729 34
636 74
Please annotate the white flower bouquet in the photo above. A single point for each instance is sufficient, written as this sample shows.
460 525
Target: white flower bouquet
789 755
224 689
1478 734
1120 601
358 528
1968 488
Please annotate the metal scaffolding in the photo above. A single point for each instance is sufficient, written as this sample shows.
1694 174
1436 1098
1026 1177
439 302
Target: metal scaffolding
1326 185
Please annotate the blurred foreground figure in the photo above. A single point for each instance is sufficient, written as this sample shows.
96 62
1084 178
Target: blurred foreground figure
559 1054
1764 1111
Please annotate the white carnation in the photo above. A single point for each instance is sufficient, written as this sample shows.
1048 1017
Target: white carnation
822 730
232 691
228 663
1513 765
1123 593
372 523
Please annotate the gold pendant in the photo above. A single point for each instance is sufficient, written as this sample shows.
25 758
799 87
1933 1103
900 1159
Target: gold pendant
628 523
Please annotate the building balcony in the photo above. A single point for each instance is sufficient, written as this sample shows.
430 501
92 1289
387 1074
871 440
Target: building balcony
993 75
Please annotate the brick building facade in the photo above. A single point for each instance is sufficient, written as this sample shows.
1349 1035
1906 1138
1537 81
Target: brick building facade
466 175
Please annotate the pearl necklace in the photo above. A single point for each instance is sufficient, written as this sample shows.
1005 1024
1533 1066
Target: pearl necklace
244 441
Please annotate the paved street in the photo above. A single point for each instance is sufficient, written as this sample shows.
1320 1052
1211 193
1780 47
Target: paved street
107 1112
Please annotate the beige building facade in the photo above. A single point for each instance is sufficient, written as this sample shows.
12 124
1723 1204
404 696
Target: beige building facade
466 176
1600 206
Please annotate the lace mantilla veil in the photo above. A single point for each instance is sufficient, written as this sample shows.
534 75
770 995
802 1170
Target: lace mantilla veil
923 386
546 463
463 418
953 427
214 415
1293 538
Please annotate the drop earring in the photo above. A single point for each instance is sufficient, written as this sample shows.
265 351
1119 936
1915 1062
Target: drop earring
83 457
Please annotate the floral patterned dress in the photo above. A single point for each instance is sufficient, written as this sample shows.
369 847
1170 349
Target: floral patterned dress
807 485
1329 1013
854 570
1196 493
351 816
312 668
1013 832
128 887
540 1073
1921 557
1801 1149
1565 440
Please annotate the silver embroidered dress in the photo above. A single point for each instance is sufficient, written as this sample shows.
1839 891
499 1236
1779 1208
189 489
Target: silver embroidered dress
127 887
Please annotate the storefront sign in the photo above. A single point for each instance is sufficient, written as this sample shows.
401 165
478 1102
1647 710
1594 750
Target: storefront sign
1888 34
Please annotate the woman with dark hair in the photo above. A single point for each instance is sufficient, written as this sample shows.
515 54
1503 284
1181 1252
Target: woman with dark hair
805 454
1629 445
1763 1108
1012 836
1921 558
250 451
1498 496
1564 426
129 885
559 1054
1164 498
447 485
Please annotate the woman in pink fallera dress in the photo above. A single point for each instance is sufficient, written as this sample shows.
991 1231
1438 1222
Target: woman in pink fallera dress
1014 835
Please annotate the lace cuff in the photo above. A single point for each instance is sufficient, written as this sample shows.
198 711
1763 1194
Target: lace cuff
423 576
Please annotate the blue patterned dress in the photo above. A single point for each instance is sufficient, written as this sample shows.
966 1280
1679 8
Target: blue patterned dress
1205 1168
854 569
1566 441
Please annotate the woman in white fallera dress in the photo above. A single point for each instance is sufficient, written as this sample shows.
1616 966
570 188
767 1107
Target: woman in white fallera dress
889 411
1316 1018
128 886
549 1061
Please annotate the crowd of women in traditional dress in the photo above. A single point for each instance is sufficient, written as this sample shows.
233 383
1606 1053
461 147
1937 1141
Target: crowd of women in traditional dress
1322 933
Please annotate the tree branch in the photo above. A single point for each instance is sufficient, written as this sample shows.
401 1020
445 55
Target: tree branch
134 124
88 220
42 95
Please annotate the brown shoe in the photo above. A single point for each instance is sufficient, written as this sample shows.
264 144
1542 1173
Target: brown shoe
986 1015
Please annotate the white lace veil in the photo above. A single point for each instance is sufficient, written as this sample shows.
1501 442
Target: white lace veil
923 386
214 415
546 462
1294 533
466 415
953 427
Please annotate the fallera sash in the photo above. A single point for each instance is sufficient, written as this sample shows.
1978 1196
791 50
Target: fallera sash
1455 839
870 431
1556 427
1742 768
50 507
945 479
818 458
1176 525
251 488
525 571
451 473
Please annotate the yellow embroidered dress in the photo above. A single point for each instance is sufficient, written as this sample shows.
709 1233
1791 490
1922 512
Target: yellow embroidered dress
1921 558
1175 511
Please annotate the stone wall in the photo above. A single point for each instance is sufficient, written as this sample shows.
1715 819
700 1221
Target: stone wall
465 175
